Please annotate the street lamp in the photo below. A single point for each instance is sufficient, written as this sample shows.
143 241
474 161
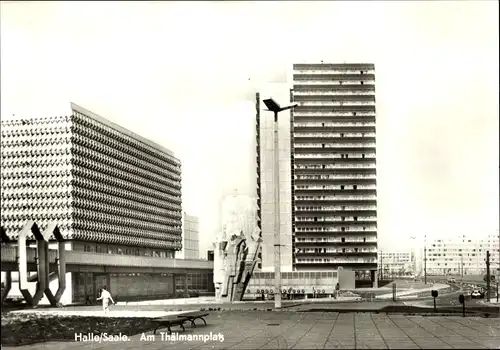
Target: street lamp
425 259
274 107
414 257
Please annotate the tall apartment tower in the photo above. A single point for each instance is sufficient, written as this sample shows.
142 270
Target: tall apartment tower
333 168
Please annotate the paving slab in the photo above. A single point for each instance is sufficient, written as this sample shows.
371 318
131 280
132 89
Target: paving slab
292 330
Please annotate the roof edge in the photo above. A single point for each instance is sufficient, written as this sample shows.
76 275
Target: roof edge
102 120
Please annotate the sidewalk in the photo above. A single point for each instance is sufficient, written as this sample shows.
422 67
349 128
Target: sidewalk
292 330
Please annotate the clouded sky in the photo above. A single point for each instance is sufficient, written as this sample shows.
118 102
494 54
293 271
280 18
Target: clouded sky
178 73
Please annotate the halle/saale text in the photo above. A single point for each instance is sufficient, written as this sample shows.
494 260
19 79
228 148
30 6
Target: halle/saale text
99 338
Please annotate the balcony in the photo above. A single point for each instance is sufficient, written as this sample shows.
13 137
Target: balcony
344 177
339 120
334 233
323 156
300 212
344 103
366 128
340 165
338 242
342 134
335 253
329 75
349 114
333 88
315 92
310 82
333 155
367 264
334 192
334 144
343 188
335 222
299 110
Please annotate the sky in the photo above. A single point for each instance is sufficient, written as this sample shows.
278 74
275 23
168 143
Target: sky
184 74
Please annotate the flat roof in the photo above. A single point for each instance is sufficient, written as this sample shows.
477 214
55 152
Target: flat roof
102 120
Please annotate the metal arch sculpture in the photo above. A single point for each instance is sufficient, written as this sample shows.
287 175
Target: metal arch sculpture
43 265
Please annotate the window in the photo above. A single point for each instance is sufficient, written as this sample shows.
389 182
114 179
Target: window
343 230
355 218
340 82
315 219
343 207
341 135
361 72
323 145
354 113
341 187
342 155
363 155
343 239
343 250
343 218
347 156
323 166
364 239
355 187
323 124
356 250
362 83
364 228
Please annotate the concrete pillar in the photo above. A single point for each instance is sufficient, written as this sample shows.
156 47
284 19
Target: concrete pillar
42 249
29 228
375 281
7 286
61 264
186 286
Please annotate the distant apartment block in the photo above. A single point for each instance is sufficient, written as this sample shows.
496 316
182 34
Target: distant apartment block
392 264
465 254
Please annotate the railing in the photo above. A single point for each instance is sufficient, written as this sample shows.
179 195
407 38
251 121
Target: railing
327 70
333 134
336 155
331 177
350 144
334 81
337 103
331 187
332 124
333 93
336 166
338 208
299 113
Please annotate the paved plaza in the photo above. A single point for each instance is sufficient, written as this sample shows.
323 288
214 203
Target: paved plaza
332 330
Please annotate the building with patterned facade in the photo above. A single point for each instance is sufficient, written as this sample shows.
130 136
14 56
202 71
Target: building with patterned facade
327 170
109 190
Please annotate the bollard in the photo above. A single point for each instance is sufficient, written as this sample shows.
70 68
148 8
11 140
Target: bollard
461 299
434 294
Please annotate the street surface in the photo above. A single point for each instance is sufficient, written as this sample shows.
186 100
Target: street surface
294 330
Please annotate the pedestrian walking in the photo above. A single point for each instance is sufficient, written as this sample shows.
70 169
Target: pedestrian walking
106 298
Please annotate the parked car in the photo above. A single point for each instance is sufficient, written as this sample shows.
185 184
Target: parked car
477 293
452 280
